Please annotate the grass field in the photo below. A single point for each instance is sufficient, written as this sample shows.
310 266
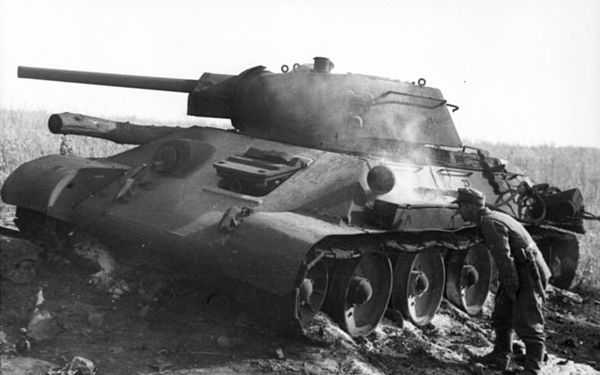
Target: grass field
24 136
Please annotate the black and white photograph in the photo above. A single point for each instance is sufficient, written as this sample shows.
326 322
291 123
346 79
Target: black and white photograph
299 187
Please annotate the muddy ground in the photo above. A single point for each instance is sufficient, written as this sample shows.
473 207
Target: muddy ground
155 319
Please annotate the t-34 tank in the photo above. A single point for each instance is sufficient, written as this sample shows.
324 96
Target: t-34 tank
333 192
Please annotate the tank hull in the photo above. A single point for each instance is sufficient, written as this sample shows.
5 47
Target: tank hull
334 192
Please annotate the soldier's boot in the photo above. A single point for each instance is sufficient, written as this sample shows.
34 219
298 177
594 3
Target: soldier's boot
534 357
522 357
499 358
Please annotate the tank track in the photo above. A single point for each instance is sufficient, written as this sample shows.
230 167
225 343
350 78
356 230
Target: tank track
355 279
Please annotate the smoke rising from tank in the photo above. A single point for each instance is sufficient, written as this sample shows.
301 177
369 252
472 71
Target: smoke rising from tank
416 185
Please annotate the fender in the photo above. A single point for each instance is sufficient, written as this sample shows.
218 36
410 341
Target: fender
267 249
61 182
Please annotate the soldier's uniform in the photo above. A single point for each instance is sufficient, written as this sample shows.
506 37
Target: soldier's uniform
520 263
522 273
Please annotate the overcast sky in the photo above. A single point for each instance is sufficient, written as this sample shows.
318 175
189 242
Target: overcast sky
524 71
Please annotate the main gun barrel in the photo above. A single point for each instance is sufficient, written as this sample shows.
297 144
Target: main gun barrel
108 79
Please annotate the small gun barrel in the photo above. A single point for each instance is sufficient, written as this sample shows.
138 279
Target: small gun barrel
108 79
118 132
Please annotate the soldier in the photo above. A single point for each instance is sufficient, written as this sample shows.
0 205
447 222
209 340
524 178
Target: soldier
523 276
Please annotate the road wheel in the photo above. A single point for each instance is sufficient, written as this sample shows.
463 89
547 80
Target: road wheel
311 290
359 293
468 280
562 256
418 285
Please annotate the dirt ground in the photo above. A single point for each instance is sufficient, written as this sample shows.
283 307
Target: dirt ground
153 320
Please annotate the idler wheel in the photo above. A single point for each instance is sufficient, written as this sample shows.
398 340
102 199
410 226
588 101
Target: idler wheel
418 285
359 293
469 276
311 290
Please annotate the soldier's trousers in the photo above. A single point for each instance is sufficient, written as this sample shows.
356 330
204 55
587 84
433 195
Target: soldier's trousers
525 316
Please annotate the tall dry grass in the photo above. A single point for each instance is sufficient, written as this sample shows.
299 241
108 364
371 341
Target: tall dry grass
24 136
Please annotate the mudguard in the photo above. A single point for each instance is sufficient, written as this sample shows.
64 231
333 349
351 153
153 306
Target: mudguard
61 182
267 249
